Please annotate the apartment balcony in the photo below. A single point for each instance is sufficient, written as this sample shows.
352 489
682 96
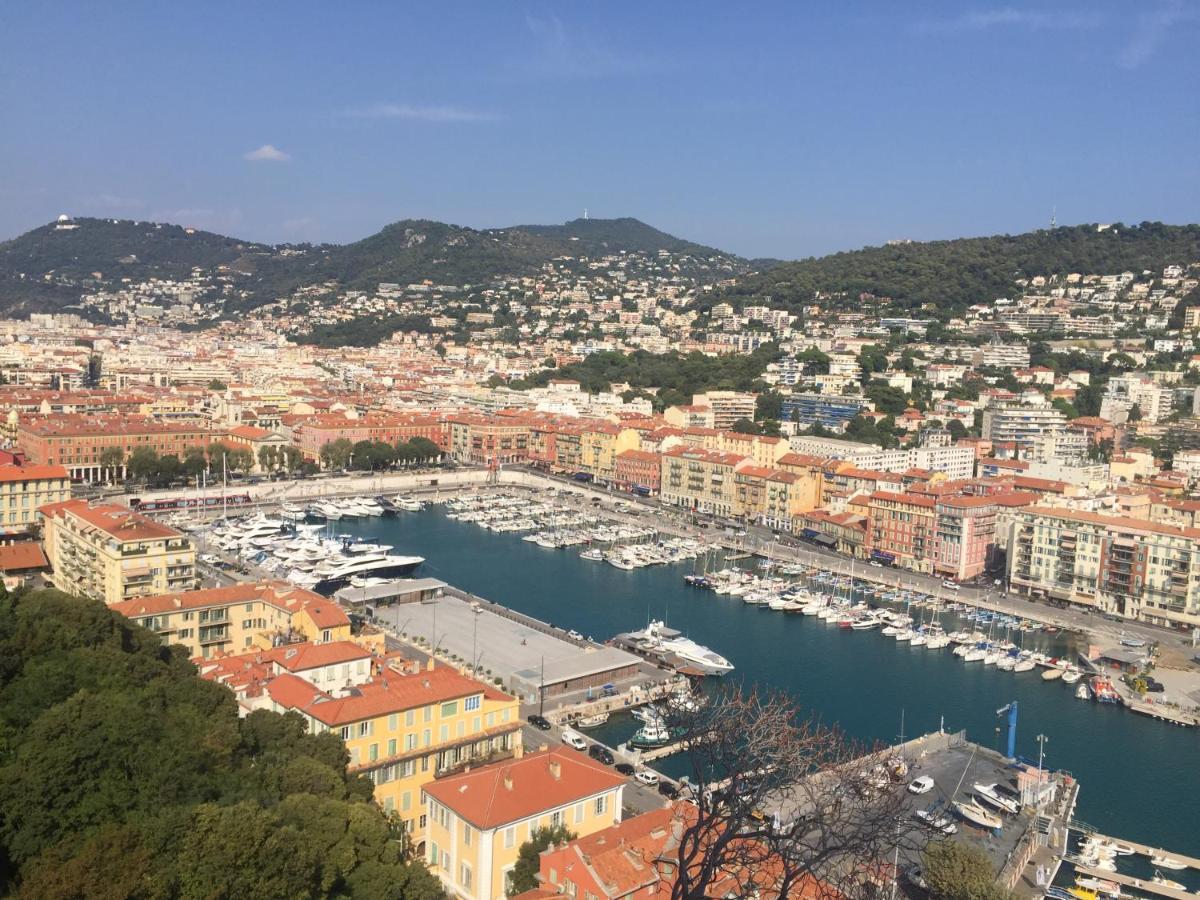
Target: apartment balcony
214 635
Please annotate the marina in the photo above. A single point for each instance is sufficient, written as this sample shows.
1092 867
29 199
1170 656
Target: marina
864 687
866 678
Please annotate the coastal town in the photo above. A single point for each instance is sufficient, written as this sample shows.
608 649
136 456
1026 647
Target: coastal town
1019 482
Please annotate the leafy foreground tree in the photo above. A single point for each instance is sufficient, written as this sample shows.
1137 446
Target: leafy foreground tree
958 871
124 775
524 871
753 753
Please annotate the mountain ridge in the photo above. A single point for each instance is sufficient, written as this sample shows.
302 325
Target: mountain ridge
48 266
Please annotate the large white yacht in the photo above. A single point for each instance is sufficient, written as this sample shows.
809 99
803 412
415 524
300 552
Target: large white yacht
336 573
656 637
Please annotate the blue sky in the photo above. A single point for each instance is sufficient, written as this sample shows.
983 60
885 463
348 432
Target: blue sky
784 129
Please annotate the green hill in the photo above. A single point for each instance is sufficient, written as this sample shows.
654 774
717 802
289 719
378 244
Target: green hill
48 267
951 275
600 236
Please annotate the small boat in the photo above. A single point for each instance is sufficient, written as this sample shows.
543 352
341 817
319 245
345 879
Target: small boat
1070 676
593 721
991 795
1082 693
936 821
594 554
1166 882
977 815
1052 674
1160 861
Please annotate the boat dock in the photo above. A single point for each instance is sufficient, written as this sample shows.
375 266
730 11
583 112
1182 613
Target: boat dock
1141 884
1143 849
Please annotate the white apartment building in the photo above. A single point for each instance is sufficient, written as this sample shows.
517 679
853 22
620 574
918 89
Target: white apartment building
1021 424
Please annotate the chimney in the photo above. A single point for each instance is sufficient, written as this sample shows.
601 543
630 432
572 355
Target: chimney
429 665
508 782
555 769
519 750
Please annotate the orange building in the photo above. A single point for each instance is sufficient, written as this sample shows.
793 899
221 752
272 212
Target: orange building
78 441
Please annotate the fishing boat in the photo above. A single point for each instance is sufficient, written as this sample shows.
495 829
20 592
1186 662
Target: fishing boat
1103 690
595 554
977 815
653 735
594 720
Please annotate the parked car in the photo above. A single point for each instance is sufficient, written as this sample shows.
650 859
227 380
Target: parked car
624 768
952 585
574 739
922 785
601 753
668 790
540 722
647 777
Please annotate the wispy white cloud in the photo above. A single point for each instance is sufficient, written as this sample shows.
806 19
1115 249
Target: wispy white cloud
416 113
564 53
1011 17
1153 27
267 153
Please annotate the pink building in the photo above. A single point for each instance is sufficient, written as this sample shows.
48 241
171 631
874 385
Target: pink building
964 536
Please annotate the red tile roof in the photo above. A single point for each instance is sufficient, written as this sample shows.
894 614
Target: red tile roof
118 521
22 555
31 472
509 791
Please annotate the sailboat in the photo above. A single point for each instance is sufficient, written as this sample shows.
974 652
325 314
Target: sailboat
977 815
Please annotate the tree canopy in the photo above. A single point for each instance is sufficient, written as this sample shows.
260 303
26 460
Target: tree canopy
125 775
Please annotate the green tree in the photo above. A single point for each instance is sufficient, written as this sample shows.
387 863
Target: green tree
524 871
744 426
143 464
336 454
955 870
290 458
217 385
111 459
169 791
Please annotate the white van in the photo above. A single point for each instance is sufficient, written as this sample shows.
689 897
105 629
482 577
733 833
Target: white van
573 739
952 585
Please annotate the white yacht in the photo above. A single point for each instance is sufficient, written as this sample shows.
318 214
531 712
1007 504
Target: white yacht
658 638
337 573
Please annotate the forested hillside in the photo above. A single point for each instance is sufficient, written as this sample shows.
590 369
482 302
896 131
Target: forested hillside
49 267
951 275
124 775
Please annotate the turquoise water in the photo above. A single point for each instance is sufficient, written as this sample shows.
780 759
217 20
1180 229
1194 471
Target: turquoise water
1139 777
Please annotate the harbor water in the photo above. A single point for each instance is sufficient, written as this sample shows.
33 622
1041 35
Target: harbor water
1137 774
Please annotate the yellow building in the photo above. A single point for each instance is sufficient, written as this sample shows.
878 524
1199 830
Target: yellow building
479 819
699 479
110 553
600 443
402 723
239 617
23 488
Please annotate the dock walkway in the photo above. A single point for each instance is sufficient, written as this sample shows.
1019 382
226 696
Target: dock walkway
1140 884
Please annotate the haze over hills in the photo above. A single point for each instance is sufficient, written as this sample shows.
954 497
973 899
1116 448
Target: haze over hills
47 268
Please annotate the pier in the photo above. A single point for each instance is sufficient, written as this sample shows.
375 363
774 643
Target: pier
1140 884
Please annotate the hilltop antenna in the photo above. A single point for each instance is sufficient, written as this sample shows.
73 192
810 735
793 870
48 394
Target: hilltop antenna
1054 216
585 214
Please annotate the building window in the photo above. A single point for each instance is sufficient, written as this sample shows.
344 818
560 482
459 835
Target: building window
465 876
556 819
510 837
471 704
601 805
393 721
450 709
466 835
345 732
578 813
364 729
